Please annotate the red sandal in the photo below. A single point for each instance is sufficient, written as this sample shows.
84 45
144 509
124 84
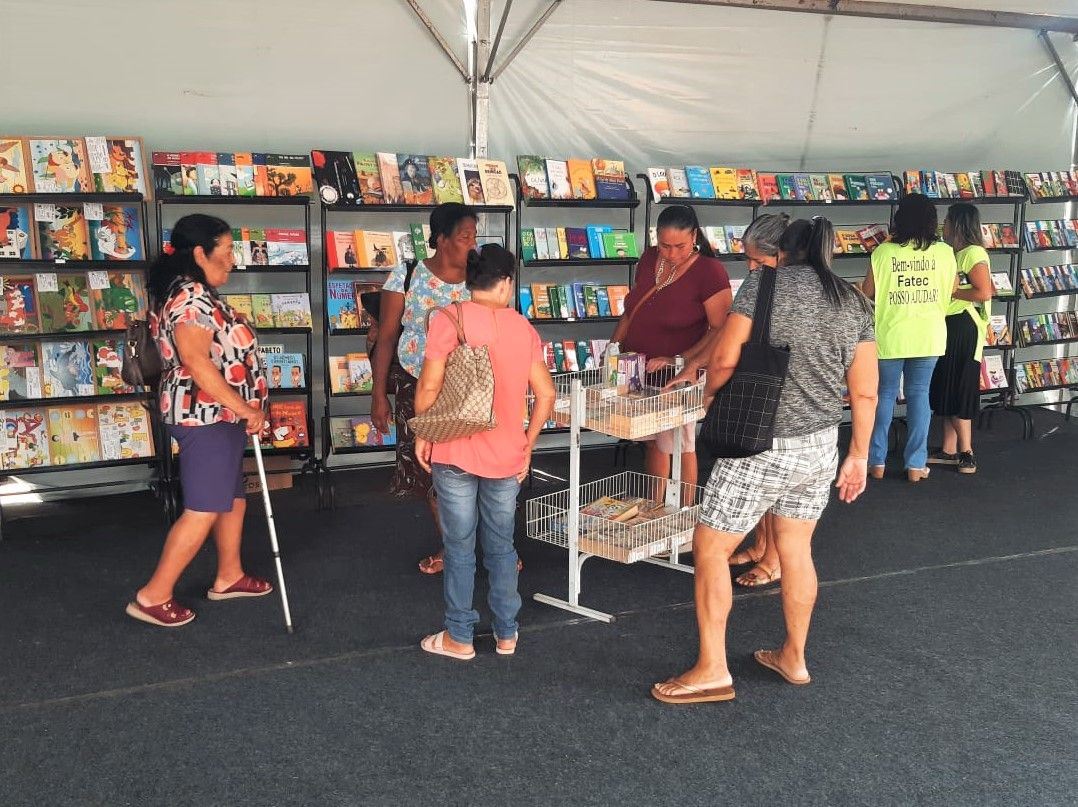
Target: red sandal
246 586
166 615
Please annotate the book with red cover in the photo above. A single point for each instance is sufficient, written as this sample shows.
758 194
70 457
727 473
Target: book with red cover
288 424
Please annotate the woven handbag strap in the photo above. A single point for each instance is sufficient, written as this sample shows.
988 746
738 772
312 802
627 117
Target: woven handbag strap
765 298
458 323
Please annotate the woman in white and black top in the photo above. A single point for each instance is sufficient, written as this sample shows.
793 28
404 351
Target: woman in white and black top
828 328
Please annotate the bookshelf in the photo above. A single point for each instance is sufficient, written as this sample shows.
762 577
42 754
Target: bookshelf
247 212
41 421
341 341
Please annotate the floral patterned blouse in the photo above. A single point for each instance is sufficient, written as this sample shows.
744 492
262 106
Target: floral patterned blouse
425 293
234 351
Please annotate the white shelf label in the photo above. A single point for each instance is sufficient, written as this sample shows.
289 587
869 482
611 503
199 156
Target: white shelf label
98 279
97 152
46 281
93 211
45 212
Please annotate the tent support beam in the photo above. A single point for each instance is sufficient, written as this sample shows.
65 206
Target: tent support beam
1047 40
423 18
497 40
481 87
905 11
527 38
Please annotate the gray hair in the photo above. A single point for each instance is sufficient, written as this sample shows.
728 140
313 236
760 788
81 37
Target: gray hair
765 232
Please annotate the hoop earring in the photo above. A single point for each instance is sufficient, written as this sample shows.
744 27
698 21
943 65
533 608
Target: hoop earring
695 247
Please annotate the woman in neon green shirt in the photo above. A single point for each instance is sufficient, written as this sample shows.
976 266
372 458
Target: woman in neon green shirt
955 392
911 279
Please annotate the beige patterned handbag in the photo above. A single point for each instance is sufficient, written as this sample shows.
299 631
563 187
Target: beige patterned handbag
465 404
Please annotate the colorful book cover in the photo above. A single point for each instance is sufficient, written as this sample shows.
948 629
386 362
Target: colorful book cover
952 185
881 187
659 182
376 249
734 238
803 187
542 245
334 176
19 310
977 183
580 302
553 293
531 170
338 374
289 175
541 298
724 181
67 369
340 432
366 319
369 178
609 178
912 181
595 239
700 184
567 298
341 250
360 374
262 310
617 295
603 301
420 243
16 233
364 433
747 187
988 180
557 174
563 244
116 164
260 161
873 235
527 245
285 370
446 181
559 358
63 234
60 165
471 181
292 310
679 182
821 188
286 247
14 165
768 185
108 366
786 187
965 187
527 303
584 358
850 241
121 301
125 430
288 424
25 439
206 173
857 187
577 238
838 187
117 236
226 170
241 304
568 350
20 371
415 179
165 170
929 185
620 244
67 308
245 174
497 189
581 179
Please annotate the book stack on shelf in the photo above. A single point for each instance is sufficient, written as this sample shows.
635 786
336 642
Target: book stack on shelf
269 312
1000 236
572 301
595 179
1049 281
592 242
1047 374
1057 234
1057 327
350 178
571 356
371 249
55 165
987 184
74 435
746 184
222 173
76 231
1048 185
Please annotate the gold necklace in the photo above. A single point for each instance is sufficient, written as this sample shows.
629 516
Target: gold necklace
662 282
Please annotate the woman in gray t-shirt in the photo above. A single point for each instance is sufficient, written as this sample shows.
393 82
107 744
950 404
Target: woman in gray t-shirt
827 326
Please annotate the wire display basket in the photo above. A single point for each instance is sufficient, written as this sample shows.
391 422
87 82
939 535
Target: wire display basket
649 526
633 415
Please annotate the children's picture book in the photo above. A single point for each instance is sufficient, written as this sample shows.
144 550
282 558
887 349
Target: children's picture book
339 378
609 178
166 173
67 308
803 187
531 170
620 244
557 175
659 182
376 249
768 186
786 186
360 374
821 188
364 433
286 247
16 233
993 375
581 179
341 250
59 165
998 332
288 175
241 304
724 181
873 235
415 179
616 295
857 188
495 179
389 172
285 370
108 364
117 235
20 371
67 369
62 233
14 165
292 310
679 182
340 432
612 508
700 183
288 424
368 177
405 246
341 305
245 174
73 434
471 182
881 187
445 180
335 177
262 310
125 430
19 312
25 439
747 184
117 165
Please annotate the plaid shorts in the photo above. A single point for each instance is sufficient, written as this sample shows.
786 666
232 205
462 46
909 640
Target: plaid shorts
792 480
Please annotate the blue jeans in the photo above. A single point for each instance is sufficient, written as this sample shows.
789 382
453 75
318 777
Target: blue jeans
468 504
918 376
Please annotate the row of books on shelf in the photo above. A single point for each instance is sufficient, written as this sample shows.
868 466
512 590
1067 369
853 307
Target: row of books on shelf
572 301
964 184
1050 327
344 306
350 374
1030 376
1048 279
284 310
575 178
571 356
92 164
256 246
374 249
90 231
48 302
1052 234
717 182
998 236
31 371
386 178
227 173
74 434
1049 184
591 242
359 432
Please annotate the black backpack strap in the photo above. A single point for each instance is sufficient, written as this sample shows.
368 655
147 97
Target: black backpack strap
761 315
409 270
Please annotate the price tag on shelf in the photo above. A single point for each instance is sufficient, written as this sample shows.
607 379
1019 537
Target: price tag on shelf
97 152
93 211
46 281
98 280
45 212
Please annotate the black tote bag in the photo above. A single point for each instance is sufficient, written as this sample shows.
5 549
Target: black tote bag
741 419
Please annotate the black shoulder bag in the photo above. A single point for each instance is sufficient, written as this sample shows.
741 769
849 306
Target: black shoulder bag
741 419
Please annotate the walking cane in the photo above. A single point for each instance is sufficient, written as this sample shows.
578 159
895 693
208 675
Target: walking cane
272 533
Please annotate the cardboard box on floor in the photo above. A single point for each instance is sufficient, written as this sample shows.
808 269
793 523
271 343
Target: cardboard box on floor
274 481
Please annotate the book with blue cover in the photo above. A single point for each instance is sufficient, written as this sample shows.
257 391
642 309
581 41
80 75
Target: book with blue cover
700 185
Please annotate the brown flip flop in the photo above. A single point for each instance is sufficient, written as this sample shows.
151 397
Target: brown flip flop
693 694
766 658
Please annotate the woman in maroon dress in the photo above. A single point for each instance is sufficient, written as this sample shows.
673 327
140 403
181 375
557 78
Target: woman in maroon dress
676 307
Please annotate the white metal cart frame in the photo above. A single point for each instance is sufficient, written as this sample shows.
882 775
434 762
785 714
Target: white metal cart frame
587 400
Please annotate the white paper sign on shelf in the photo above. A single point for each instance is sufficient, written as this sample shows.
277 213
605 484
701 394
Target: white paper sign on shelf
98 280
45 212
46 281
93 211
97 152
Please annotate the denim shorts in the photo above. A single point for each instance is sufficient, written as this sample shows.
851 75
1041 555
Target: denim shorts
211 465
